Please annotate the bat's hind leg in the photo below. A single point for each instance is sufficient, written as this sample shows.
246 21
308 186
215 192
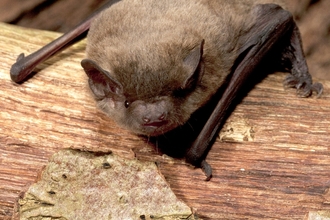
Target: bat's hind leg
294 60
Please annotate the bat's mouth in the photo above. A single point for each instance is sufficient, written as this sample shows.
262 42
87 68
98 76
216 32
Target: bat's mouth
155 124
155 128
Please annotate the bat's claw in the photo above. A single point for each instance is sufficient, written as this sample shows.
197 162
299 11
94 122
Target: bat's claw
20 57
304 86
23 67
207 169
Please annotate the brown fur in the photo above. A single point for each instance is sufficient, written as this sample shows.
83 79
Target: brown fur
143 44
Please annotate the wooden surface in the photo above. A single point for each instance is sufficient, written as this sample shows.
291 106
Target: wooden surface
278 167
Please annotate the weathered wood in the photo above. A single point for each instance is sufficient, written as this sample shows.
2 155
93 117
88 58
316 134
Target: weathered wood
279 167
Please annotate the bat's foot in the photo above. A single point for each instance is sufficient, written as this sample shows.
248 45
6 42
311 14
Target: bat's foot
303 85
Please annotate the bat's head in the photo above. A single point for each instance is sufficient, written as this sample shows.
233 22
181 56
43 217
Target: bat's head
148 97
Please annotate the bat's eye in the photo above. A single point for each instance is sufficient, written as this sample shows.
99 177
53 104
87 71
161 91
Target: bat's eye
126 104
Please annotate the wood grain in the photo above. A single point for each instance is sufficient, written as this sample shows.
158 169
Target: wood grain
281 171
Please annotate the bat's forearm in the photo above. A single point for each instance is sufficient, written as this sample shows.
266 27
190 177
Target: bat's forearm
25 65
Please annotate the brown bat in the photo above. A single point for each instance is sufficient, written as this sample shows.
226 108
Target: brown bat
153 64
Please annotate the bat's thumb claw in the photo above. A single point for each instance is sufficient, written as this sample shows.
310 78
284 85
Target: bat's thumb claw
23 67
16 69
15 72
207 169
20 57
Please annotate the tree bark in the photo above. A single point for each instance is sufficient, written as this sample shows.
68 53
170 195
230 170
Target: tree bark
271 160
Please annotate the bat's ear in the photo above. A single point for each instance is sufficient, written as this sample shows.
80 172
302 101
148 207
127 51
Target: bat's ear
195 68
100 81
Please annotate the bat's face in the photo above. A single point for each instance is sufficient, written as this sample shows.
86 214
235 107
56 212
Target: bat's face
149 99
150 117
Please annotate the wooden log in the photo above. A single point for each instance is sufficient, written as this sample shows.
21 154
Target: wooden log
272 161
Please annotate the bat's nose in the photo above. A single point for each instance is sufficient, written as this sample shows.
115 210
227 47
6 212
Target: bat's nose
154 120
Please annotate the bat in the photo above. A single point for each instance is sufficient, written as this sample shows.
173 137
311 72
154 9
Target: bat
152 64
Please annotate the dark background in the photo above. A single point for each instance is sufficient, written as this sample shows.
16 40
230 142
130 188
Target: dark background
313 18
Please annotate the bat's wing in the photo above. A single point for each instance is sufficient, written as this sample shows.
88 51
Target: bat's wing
274 26
24 65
